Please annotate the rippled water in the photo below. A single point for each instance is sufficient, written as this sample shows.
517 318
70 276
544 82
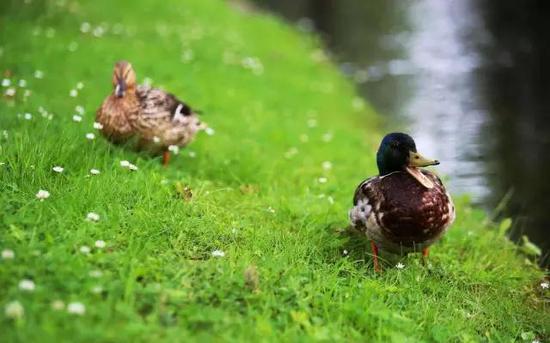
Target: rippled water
464 78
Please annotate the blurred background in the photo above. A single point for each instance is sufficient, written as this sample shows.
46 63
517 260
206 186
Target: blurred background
468 79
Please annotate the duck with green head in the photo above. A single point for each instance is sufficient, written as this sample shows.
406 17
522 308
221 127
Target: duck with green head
404 208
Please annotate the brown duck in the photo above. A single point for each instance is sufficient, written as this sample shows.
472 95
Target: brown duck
404 208
158 119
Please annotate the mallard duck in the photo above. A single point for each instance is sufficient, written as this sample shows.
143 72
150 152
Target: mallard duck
158 119
404 208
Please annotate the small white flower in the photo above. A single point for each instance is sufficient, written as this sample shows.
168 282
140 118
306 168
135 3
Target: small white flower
218 253
124 164
156 140
270 209
10 91
97 289
94 171
14 310
42 194
90 136
27 116
8 254
345 252
100 244
73 93
400 265
76 308
85 27
22 83
79 85
92 217
85 249
98 31
327 165
544 285
98 126
192 154
322 180
330 200
27 285
327 137
174 149
58 169
77 118
27 93
209 131
95 273
6 82
79 109
133 167
38 74
58 305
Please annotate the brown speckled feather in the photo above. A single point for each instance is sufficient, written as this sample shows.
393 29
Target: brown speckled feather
114 114
163 119
399 213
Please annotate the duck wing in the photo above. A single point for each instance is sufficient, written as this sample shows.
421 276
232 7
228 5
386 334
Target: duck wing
165 118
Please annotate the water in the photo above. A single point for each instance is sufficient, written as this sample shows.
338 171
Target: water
467 79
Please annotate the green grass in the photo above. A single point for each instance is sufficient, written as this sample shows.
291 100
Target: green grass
255 191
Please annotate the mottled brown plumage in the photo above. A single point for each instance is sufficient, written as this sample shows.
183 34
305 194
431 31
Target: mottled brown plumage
155 118
404 215
405 208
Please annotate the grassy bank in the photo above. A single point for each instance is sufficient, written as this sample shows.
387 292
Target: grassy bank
270 189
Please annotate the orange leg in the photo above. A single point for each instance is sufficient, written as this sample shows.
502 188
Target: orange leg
165 158
425 253
375 257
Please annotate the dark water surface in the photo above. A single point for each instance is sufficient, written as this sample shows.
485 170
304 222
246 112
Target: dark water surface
468 79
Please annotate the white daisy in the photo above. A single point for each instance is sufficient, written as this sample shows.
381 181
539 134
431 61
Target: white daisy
85 249
77 118
58 169
85 27
97 289
95 273
14 310
6 82
327 165
27 285
79 109
327 137
42 194
22 83
27 116
58 305
209 131
192 154
100 244
98 126
174 149
92 217
94 171
38 74
544 285
218 253
73 93
90 136
10 92
77 308
322 180
8 254
345 252
80 85
400 265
